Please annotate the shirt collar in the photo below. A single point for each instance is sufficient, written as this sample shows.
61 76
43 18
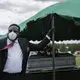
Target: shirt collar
9 41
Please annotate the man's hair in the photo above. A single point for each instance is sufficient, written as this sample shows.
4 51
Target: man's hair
15 25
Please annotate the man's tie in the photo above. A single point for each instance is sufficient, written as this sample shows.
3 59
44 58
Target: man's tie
7 46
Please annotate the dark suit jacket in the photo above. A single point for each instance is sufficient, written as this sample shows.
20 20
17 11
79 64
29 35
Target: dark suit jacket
26 47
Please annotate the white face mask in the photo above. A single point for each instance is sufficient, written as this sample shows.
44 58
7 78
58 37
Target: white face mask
12 35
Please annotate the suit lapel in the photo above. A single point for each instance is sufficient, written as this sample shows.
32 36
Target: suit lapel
21 44
24 45
4 53
3 43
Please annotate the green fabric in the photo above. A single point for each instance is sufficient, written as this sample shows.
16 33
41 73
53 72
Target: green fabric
65 28
68 7
67 21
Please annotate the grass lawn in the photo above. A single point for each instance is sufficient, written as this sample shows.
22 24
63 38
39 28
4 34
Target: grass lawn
78 61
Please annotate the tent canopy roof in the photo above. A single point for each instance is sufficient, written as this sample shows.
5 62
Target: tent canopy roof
66 19
67 8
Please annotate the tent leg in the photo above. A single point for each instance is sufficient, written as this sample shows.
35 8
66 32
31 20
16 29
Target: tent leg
53 49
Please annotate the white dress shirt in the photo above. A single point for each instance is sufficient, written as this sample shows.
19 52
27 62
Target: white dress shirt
14 59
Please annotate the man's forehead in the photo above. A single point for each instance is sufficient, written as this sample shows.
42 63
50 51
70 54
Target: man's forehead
13 27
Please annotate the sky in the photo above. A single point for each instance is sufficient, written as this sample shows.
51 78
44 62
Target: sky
16 11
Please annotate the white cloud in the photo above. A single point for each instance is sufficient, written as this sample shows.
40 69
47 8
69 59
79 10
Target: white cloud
49 0
16 11
8 16
2 1
14 1
3 32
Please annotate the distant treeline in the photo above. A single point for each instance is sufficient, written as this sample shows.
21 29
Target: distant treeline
68 47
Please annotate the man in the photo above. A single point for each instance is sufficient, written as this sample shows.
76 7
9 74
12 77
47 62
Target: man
13 59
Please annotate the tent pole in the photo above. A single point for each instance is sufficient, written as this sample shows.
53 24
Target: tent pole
53 49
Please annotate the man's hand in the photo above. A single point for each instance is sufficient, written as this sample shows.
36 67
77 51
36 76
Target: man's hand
49 34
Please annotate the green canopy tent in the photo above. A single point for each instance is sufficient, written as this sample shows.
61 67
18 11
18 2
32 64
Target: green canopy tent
66 21
64 17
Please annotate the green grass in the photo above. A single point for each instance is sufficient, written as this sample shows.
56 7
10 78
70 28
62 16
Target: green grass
78 61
